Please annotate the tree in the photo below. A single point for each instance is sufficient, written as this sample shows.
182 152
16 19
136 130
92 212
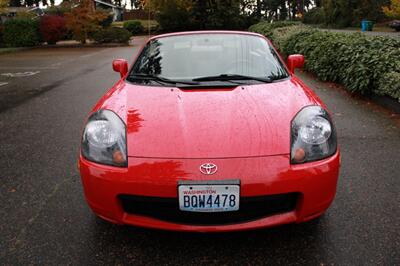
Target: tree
172 15
136 4
271 8
117 3
224 14
83 19
15 3
258 9
200 14
177 15
29 3
392 11
3 5
340 12
160 5
368 9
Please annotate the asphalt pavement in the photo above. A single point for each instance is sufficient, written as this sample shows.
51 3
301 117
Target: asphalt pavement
44 218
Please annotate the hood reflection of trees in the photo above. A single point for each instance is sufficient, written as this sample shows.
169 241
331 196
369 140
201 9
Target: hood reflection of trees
133 121
153 64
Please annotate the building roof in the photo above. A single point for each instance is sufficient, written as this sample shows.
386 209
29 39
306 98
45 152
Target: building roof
107 4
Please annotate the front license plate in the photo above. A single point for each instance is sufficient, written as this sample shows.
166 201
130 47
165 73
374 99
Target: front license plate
209 198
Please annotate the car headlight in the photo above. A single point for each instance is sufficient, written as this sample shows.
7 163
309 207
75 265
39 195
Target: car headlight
104 139
313 136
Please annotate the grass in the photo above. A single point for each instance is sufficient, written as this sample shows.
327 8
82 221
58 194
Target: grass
6 50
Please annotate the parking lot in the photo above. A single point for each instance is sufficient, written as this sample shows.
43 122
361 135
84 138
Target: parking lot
45 95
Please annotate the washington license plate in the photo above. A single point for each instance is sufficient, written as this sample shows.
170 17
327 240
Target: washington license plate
209 198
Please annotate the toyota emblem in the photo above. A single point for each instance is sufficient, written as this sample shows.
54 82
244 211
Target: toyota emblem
208 168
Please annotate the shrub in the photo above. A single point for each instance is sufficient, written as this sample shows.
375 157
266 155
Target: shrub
354 60
26 15
133 26
266 28
111 35
154 26
281 36
21 32
52 28
314 16
363 64
390 85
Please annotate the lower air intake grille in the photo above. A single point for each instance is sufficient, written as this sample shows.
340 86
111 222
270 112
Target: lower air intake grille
167 209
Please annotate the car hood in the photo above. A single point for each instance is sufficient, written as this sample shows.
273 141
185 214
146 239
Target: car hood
243 121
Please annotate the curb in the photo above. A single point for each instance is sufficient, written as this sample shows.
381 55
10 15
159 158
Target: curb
108 45
387 102
132 43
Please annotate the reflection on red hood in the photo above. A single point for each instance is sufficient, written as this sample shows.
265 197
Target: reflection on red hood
208 123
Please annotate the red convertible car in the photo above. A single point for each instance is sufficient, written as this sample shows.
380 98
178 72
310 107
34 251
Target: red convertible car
209 131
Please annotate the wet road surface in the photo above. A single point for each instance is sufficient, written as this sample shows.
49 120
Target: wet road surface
44 218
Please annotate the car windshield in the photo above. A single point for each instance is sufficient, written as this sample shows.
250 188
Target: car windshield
208 57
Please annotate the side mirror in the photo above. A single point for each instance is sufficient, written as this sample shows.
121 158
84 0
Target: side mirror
295 61
121 66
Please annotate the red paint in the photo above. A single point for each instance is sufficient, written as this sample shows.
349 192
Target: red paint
295 61
120 66
209 123
244 130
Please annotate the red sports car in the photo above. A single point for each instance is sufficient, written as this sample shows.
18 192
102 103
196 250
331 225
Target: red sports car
209 131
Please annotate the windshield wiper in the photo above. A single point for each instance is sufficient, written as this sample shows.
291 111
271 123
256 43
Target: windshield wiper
277 77
159 78
228 77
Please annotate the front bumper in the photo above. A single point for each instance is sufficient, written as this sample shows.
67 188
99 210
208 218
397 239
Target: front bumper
314 183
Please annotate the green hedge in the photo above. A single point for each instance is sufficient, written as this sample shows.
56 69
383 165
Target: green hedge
134 26
267 28
21 32
390 85
281 37
111 35
363 64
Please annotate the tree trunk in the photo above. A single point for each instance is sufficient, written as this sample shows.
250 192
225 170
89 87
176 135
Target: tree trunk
258 9
283 12
84 37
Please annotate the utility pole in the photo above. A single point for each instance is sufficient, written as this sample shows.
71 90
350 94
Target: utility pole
148 19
